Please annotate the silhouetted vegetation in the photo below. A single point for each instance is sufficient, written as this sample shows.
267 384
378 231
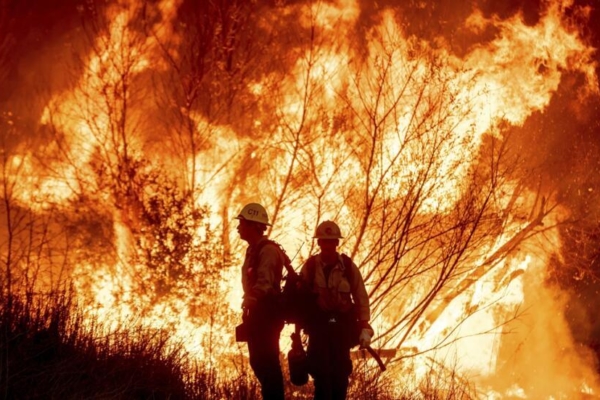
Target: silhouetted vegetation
48 352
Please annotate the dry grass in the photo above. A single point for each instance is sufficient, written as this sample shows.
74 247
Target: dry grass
47 353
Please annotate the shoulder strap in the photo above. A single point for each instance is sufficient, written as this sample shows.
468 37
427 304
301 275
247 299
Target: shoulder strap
348 271
311 267
287 263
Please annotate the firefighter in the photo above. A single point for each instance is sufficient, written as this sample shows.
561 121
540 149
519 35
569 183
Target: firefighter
340 319
261 281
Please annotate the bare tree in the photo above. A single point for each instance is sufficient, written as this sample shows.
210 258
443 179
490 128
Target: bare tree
101 137
35 246
394 157
380 138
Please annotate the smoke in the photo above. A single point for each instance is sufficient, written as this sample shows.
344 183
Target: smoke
561 367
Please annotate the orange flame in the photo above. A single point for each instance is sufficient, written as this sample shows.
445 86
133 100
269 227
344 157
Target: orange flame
334 102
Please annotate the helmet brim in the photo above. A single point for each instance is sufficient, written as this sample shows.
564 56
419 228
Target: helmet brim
241 217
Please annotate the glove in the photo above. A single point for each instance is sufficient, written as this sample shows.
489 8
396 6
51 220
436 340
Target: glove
364 340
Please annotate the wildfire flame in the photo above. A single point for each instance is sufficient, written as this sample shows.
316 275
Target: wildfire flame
340 126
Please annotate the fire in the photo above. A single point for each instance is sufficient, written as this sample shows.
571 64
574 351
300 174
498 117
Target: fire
521 69
400 140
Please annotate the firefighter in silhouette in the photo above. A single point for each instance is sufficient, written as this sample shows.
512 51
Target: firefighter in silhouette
261 281
340 319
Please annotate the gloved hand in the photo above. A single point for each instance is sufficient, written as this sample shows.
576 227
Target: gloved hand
364 340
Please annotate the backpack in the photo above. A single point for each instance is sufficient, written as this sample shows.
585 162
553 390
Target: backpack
294 297
298 302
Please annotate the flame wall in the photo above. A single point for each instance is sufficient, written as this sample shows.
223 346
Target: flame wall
110 111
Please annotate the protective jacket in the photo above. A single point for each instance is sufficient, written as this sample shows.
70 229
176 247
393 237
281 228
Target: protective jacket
338 290
261 274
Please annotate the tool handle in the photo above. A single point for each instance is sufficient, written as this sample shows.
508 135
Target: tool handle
374 354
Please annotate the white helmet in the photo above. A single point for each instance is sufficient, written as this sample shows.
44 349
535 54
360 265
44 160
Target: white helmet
254 212
328 230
